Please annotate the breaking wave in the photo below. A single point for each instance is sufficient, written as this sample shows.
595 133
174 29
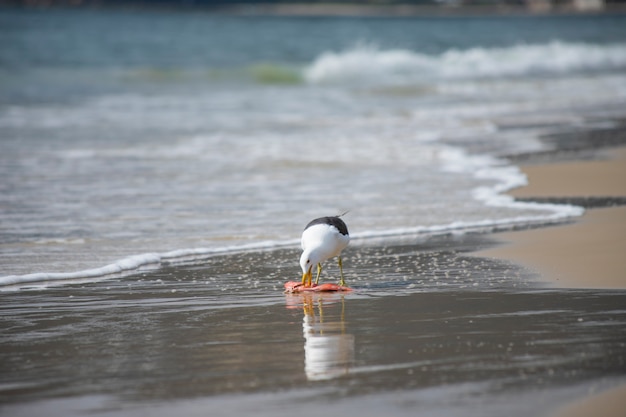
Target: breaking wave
369 63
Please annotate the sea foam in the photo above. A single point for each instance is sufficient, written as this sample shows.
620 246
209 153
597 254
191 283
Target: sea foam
371 63
133 264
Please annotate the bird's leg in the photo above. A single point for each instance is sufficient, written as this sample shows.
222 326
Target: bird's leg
342 282
319 271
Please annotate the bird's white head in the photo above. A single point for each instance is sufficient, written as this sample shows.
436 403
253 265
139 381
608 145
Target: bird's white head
308 260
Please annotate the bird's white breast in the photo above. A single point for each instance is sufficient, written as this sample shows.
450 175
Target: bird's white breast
325 239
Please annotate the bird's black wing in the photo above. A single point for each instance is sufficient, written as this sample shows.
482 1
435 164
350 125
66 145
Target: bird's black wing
332 221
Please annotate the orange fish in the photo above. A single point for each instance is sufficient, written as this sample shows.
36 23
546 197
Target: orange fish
295 287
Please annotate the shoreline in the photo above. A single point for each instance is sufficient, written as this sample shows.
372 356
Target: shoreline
587 252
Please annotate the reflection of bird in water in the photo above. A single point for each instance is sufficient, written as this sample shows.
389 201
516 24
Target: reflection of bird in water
322 239
328 350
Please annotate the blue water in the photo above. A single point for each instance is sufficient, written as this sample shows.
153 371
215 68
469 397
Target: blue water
130 138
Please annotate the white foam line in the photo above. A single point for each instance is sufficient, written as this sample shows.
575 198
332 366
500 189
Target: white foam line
508 177
464 227
135 263
131 263
512 177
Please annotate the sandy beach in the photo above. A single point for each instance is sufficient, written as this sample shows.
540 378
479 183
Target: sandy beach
587 253
607 404
561 255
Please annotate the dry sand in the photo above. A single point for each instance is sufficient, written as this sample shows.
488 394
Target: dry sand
602 177
589 253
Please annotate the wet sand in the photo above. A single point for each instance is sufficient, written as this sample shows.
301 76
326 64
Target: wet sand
610 403
602 177
588 253
429 331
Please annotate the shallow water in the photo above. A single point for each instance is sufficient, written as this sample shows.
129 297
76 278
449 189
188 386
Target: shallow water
426 329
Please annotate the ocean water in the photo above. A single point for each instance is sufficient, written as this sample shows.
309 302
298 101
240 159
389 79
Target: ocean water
131 139
158 167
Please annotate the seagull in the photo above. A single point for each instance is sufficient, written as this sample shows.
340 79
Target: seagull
322 239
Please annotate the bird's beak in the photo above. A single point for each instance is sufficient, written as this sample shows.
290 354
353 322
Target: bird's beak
307 277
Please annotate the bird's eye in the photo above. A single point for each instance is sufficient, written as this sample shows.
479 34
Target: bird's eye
308 261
